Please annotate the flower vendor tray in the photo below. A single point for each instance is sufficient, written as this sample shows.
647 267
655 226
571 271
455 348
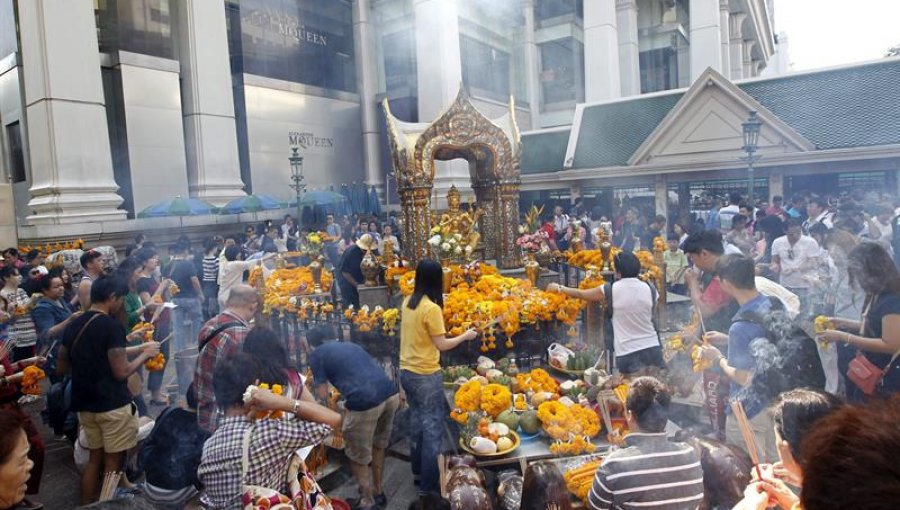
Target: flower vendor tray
516 442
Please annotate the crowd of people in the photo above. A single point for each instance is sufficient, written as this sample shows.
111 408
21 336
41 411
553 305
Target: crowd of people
755 277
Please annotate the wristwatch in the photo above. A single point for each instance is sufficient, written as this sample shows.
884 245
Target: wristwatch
296 407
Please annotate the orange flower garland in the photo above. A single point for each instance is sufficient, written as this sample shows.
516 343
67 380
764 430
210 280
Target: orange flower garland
284 284
31 378
538 380
468 396
495 398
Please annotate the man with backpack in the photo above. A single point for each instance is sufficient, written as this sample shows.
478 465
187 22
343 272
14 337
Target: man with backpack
767 353
220 338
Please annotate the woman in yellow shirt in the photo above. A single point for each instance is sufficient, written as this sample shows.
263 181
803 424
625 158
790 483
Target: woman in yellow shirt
422 337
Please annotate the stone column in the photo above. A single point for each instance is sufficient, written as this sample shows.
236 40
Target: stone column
736 45
705 37
725 36
71 163
629 51
367 87
532 72
601 51
214 171
747 63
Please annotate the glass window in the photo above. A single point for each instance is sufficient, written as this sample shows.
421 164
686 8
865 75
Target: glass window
485 68
399 50
138 26
16 154
562 71
303 41
659 70
547 9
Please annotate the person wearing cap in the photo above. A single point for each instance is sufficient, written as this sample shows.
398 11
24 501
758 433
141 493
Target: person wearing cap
350 275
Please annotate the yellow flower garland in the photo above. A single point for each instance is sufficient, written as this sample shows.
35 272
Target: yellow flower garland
468 396
495 398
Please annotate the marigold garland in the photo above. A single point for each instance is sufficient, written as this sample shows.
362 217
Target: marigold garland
495 398
537 380
31 377
284 284
468 396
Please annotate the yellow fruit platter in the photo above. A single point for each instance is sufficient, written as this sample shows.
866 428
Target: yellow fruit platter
479 450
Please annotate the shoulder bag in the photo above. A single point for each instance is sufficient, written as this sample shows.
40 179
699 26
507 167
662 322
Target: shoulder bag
305 491
861 371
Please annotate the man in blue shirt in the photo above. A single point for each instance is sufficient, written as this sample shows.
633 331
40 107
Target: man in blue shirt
747 348
371 399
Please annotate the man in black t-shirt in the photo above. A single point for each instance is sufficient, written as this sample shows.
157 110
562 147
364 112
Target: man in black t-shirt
187 317
350 276
94 352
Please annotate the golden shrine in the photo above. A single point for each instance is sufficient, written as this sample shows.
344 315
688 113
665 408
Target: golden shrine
493 149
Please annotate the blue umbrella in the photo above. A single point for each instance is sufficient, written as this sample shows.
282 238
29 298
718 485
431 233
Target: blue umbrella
345 190
252 203
320 198
177 206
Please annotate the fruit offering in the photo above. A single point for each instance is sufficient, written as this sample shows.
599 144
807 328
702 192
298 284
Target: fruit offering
580 479
482 436
459 374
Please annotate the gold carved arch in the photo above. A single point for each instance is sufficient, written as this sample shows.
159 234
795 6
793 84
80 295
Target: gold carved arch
461 131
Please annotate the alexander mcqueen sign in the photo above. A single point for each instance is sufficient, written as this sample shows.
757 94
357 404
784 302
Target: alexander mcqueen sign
308 140
284 25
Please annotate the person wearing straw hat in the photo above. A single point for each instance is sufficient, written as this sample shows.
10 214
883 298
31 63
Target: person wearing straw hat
350 275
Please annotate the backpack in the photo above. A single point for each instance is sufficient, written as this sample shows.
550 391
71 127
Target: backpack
608 295
791 362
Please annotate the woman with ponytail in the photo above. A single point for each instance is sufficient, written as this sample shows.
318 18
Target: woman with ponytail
649 470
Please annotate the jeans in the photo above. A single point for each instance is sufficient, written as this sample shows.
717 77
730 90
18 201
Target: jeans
187 319
155 379
210 303
427 409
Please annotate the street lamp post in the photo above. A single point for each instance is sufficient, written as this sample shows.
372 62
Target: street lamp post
298 185
751 142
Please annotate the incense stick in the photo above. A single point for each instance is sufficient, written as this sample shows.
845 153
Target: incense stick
749 439
166 339
604 411
702 326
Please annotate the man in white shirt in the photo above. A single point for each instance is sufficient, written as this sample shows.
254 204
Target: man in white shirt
727 213
818 212
795 258
560 226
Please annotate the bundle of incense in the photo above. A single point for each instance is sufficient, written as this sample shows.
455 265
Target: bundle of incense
749 439
7 347
110 483
604 409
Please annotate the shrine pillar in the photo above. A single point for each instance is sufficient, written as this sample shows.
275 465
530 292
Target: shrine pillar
415 204
508 221
486 199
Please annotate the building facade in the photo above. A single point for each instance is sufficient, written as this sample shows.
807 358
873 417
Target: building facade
825 132
107 106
